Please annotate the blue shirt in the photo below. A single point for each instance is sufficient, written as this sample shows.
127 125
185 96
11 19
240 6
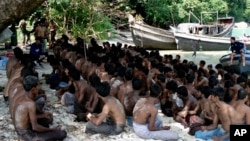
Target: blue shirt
237 47
36 50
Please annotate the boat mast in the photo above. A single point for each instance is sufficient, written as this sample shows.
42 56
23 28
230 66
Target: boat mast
191 13
215 12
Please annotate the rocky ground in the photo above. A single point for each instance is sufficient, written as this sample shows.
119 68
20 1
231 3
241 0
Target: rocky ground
74 129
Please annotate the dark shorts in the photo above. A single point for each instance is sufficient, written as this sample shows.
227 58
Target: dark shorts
107 128
29 135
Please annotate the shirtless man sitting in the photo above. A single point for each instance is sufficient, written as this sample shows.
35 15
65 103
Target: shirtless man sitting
146 124
240 106
189 104
25 119
18 54
16 72
112 108
223 113
129 100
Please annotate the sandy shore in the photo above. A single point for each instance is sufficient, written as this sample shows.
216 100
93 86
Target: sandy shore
74 129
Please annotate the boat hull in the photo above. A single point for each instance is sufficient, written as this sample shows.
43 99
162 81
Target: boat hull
237 63
152 38
206 43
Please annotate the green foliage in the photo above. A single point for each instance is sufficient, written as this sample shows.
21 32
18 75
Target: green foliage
95 18
81 18
165 12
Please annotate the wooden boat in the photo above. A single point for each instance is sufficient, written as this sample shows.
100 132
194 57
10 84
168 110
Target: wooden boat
151 37
207 37
237 63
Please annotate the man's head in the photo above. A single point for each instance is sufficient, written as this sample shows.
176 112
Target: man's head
241 81
232 39
202 63
38 40
103 89
219 67
242 95
31 84
182 92
161 77
155 90
18 53
74 74
204 91
137 84
172 86
94 79
217 95
129 73
26 71
190 78
212 81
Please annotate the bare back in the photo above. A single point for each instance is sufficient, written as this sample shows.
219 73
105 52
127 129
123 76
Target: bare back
129 102
116 110
21 117
141 111
15 75
9 66
228 115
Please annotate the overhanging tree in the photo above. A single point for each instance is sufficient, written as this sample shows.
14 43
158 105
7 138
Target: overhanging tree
12 11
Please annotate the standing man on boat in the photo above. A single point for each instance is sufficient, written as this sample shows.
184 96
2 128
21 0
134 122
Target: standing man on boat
237 48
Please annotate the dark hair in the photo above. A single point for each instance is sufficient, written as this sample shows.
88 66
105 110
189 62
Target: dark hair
103 89
202 62
68 65
233 38
167 69
137 84
129 73
27 61
242 93
205 90
181 73
212 72
121 71
154 64
240 79
228 84
172 85
185 61
219 66
210 66
30 82
244 74
219 92
75 74
227 76
18 53
27 71
110 68
161 77
155 90
182 90
212 81
190 78
94 79
145 70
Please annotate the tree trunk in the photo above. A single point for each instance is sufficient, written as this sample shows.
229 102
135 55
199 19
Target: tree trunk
12 11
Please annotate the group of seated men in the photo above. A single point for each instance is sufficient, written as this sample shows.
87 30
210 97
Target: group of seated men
113 86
